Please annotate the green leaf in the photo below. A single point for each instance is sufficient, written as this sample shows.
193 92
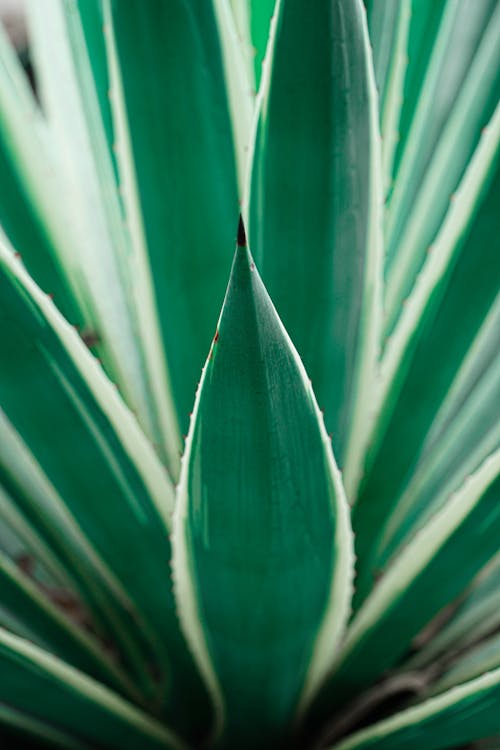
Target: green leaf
90 16
29 186
477 661
448 721
477 616
239 84
101 244
315 207
383 29
459 95
50 691
17 527
32 615
176 161
464 431
262 547
432 570
425 49
112 494
389 25
36 513
450 302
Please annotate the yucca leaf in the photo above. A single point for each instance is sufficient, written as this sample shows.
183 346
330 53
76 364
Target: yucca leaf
454 295
477 616
262 550
448 721
29 186
49 690
459 95
389 26
176 162
477 661
90 16
101 243
427 36
239 85
451 549
28 536
315 206
32 615
456 446
383 28
34 510
113 489
480 360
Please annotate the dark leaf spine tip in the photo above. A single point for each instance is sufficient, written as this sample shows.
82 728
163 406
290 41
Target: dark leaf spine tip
216 337
242 238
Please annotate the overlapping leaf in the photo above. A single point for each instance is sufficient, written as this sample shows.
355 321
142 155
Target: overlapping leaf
103 508
451 549
459 91
458 716
68 47
454 295
176 161
315 206
48 690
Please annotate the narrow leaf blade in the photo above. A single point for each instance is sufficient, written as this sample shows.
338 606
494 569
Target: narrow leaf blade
51 691
315 206
459 283
112 489
451 549
454 718
166 70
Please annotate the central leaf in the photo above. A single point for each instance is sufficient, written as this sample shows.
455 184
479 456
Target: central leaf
261 523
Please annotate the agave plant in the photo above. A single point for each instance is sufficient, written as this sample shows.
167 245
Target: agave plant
315 564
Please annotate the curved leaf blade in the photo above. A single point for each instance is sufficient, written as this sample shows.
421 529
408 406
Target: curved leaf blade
113 489
262 548
459 283
483 658
32 615
466 713
476 617
51 691
450 549
458 105
389 25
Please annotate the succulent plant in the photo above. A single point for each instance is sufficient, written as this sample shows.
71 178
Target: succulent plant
315 564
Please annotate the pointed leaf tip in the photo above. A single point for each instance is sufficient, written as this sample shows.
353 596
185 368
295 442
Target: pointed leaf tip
271 525
242 238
